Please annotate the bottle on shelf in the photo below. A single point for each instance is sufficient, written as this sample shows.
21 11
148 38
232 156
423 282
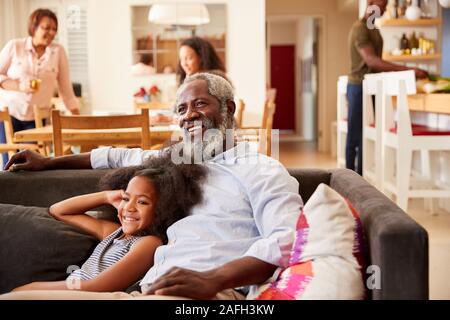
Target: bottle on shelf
401 9
426 46
404 43
394 10
425 6
413 41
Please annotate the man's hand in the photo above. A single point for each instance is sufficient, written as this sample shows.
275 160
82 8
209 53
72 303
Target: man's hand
206 285
26 160
420 73
187 283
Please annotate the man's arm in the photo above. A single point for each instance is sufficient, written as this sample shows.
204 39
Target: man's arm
33 161
380 65
101 158
206 285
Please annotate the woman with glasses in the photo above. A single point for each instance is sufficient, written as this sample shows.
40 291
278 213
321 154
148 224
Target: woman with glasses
31 69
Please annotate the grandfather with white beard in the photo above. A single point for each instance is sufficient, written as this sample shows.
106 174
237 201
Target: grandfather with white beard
207 126
243 231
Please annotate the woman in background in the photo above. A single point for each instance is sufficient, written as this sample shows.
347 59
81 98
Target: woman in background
195 55
144 66
30 71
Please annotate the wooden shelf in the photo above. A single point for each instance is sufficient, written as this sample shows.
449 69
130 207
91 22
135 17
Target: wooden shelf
427 57
411 23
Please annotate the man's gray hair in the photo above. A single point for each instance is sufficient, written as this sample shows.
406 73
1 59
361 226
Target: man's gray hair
218 87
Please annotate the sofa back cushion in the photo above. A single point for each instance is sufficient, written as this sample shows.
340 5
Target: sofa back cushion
36 247
309 179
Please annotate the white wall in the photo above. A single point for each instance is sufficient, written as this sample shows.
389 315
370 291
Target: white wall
246 54
305 51
110 53
283 32
13 20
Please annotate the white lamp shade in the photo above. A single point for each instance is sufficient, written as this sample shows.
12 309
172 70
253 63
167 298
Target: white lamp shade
179 14
445 3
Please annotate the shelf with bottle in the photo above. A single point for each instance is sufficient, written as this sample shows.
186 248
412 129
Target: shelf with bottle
413 49
409 57
402 22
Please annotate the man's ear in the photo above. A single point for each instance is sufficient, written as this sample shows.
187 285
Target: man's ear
231 106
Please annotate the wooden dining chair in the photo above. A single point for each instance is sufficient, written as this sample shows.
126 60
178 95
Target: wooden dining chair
261 135
42 117
152 105
239 114
61 122
10 146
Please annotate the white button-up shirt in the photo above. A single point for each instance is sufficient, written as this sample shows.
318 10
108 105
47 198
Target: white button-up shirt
250 208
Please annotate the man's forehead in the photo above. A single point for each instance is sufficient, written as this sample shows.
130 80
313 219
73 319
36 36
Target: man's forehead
196 87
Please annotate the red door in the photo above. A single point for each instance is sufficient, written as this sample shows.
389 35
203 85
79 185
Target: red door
282 78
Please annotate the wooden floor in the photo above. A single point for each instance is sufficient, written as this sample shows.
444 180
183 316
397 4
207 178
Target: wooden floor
305 155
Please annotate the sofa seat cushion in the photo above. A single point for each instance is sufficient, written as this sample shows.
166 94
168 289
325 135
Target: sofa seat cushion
327 257
37 247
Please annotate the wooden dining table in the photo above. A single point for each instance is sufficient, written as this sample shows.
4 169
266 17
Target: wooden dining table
88 139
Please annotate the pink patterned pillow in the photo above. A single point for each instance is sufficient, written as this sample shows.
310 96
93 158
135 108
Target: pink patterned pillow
327 258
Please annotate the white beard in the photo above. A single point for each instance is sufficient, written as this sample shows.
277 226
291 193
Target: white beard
203 148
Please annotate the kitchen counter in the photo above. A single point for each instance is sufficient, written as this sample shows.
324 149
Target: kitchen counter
429 102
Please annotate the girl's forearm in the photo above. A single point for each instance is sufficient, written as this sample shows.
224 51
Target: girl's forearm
48 285
78 204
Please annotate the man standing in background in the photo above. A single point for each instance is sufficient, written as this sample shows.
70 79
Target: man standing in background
366 48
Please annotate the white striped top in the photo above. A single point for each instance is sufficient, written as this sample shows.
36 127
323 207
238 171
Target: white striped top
107 252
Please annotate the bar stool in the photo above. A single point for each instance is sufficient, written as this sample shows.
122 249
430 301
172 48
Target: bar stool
342 120
401 138
372 132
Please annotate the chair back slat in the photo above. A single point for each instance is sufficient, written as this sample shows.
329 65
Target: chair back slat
6 119
240 108
61 122
393 79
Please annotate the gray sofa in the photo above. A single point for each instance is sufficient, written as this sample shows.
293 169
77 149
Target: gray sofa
396 243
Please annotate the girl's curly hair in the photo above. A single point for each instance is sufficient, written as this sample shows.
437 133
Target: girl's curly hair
178 188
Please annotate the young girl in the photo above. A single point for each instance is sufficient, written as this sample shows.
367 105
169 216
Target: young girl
157 194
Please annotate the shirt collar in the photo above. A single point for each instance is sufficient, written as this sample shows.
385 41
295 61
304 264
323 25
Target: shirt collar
29 46
241 149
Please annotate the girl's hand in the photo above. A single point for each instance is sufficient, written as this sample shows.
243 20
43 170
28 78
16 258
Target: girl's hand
114 197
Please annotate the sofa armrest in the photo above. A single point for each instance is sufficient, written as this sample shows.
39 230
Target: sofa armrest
397 244
44 188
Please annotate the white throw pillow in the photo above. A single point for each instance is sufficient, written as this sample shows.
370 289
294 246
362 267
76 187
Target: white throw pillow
326 259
